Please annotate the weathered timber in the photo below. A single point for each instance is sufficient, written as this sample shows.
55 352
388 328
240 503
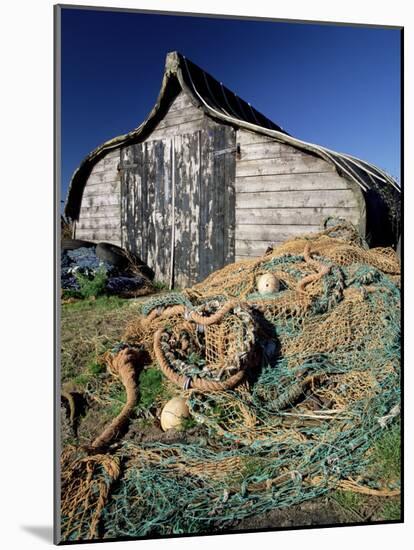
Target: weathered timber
101 200
267 150
187 208
295 199
298 216
246 137
102 189
180 129
101 212
282 165
99 235
317 181
182 101
272 232
253 248
99 223
183 116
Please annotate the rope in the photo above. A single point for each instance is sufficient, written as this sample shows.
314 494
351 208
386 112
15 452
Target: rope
322 270
123 366
196 382
351 485
71 402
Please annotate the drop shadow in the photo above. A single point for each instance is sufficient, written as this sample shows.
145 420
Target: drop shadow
42 532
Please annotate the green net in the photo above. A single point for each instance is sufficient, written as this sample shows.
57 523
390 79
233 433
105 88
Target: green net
325 388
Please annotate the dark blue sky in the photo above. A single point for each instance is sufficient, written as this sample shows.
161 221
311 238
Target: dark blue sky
331 85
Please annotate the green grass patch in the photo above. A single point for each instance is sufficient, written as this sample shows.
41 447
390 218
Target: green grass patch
391 510
386 455
100 303
92 286
152 388
348 500
159 285
81 380
187 423
69 293
95 368
117 398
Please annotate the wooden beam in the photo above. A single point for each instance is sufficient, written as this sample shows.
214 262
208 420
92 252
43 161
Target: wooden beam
291 182
294 216
282 165
297 199
272 232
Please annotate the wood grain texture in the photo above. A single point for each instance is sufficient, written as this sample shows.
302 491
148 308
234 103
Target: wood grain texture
323 181
252 249
187 208
100 235
266 150
294 199
112 187
217 199
99 223
294 216
246 137
282 165
99 213
272 232
182 101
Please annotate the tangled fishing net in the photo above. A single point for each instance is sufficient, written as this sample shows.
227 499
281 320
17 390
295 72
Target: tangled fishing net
292 389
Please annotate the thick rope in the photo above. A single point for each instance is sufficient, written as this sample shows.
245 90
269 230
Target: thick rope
72 409
351 485
196 383
322 270
123 365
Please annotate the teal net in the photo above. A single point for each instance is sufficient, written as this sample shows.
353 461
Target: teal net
326 386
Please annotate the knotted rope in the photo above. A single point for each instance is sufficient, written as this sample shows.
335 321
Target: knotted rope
122 365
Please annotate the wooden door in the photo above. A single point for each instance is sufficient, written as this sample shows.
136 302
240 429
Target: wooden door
146 204
177 203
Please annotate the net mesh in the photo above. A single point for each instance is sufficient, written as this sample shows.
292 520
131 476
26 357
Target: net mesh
302 420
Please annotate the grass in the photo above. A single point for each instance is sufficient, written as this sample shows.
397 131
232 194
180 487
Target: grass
117 398
386 456
100 303
89 328
391 510
160 285
384 470
152 388
92 286
348 500
187 423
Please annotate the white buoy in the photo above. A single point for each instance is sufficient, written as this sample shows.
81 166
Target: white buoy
173 413
267 283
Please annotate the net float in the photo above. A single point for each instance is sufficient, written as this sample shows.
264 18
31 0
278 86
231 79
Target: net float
267 284
173 413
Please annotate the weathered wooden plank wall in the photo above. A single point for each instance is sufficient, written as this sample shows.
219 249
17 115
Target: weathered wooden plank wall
146 202
203 216
99 218
282 192
217 214
224 209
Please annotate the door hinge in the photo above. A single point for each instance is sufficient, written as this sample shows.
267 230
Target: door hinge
228 150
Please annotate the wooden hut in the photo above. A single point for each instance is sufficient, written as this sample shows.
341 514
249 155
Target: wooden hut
206 180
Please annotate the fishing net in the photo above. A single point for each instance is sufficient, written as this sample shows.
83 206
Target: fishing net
317 366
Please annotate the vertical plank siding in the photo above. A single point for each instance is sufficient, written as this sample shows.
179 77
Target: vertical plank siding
217 215
203 216
222 206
